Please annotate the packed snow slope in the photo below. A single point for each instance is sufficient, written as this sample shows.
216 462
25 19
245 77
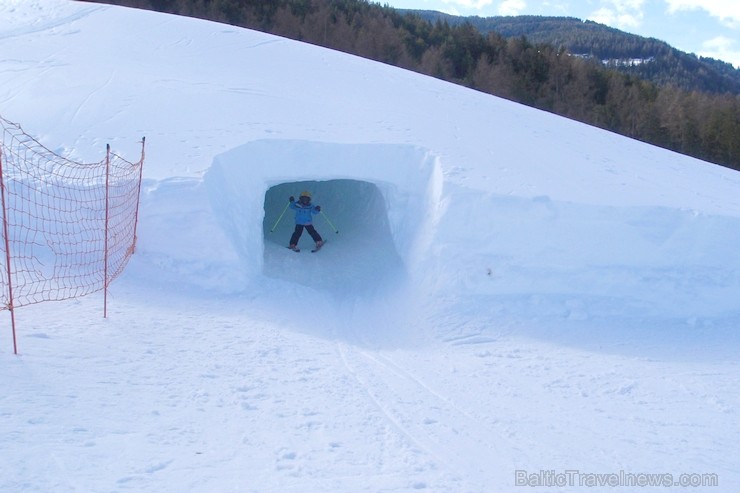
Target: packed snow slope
502 290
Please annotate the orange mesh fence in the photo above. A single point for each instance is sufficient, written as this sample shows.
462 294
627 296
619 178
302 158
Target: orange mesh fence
69 228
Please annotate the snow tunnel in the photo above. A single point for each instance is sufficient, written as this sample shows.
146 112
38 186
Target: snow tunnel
377 201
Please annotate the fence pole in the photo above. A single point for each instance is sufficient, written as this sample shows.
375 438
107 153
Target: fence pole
105 254
138 195
7 254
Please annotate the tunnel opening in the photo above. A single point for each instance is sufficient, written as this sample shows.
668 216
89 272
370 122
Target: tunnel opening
359 254
382 198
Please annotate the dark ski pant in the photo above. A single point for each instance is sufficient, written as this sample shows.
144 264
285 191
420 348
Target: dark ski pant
299 231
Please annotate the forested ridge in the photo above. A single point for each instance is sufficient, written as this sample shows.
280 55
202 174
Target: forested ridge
648 58
702 124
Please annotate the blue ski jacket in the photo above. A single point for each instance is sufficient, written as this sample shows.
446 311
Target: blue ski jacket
303 214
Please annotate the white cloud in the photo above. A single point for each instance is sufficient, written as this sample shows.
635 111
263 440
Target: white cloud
469 4
624 14
512 7
559 7
722 48
727 11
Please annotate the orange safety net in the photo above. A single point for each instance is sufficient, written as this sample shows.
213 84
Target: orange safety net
69 228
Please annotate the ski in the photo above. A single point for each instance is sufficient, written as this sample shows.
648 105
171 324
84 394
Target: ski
318 247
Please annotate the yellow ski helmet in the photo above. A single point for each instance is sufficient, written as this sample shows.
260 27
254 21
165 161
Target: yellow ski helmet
306 194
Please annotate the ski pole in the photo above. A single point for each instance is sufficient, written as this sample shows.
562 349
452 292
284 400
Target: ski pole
330 224
281 216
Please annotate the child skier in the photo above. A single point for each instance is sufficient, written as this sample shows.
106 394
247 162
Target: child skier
304 212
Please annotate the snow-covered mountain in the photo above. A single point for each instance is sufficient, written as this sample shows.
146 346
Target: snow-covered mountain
510 295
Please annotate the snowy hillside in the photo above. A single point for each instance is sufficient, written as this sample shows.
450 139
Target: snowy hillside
509 294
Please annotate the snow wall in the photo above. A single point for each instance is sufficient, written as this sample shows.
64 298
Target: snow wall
400 220
380 198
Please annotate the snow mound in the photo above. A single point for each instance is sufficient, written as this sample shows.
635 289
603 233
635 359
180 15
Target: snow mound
378 209
401 221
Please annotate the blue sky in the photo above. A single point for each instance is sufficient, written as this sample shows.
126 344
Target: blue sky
705 27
